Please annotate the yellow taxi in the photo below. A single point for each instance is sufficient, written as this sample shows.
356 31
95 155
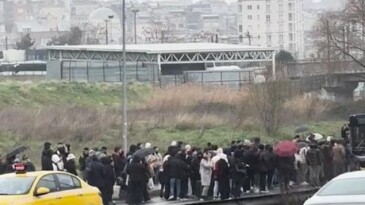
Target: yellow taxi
46 188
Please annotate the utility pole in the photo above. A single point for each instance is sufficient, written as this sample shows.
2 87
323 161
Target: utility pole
124 121
6 43
135 11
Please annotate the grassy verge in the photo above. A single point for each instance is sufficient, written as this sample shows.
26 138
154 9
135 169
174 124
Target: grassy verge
89 115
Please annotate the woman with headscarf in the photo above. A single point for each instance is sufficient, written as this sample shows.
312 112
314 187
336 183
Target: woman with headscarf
205 174
70 165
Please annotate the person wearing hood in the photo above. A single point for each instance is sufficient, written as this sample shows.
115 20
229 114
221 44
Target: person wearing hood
138 178
82 162
222 171
57 160
109 179
46 158
70 165
96 173
205 171
219 155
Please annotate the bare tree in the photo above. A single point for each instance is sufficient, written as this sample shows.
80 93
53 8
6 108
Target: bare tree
343 32
269 100
157 32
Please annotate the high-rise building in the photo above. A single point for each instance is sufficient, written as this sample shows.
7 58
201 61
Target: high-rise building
272 23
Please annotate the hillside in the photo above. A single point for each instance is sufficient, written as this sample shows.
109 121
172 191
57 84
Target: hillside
89 115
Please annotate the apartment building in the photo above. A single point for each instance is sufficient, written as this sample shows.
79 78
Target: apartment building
272 23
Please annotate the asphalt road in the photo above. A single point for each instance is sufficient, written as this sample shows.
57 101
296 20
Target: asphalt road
160 201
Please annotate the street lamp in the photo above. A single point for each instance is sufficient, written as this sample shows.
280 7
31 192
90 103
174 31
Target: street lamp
106 28
124 120
111 27
135 11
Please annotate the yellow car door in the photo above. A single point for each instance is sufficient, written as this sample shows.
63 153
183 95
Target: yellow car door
69 192
89 195
52 198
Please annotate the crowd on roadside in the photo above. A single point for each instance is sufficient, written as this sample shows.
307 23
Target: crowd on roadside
183 171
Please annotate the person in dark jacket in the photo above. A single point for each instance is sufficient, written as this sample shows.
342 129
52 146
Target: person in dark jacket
138 177
70 165
119 165
251 158
239 173
314 162
82 162
46 159
262 167
327 162
109 179
178 170
285 166
96 173
29 166
2 166
271 161
223 178
195 175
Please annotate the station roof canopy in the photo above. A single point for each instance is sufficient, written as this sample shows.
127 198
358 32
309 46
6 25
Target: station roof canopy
177 53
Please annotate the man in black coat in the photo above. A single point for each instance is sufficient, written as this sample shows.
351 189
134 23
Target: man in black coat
178 170
251 158
286 169
82 162
262 167
223 179
96 174
138 178
107 195
271 161
46 158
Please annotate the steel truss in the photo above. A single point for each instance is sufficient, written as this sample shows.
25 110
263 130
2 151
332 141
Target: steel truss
171 58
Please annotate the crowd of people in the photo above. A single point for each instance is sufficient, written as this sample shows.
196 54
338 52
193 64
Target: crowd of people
184 171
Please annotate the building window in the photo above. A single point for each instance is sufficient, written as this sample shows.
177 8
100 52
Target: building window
258 7
240 28
249 7
268 8
291 47
281 17
268 38
291 27
281 37
291 37
249 17
258 37
281 27
268 18
281 47
240 8
290 6
241 38
291 17
281 7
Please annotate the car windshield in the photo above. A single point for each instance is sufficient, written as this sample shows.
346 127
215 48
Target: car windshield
15 185
342 187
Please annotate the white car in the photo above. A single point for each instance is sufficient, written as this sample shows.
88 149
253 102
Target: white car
346 189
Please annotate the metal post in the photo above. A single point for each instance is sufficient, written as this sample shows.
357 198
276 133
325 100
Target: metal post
273 66
135 11
104 71
125 125
87 71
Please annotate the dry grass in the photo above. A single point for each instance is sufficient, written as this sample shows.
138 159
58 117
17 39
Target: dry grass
61 123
